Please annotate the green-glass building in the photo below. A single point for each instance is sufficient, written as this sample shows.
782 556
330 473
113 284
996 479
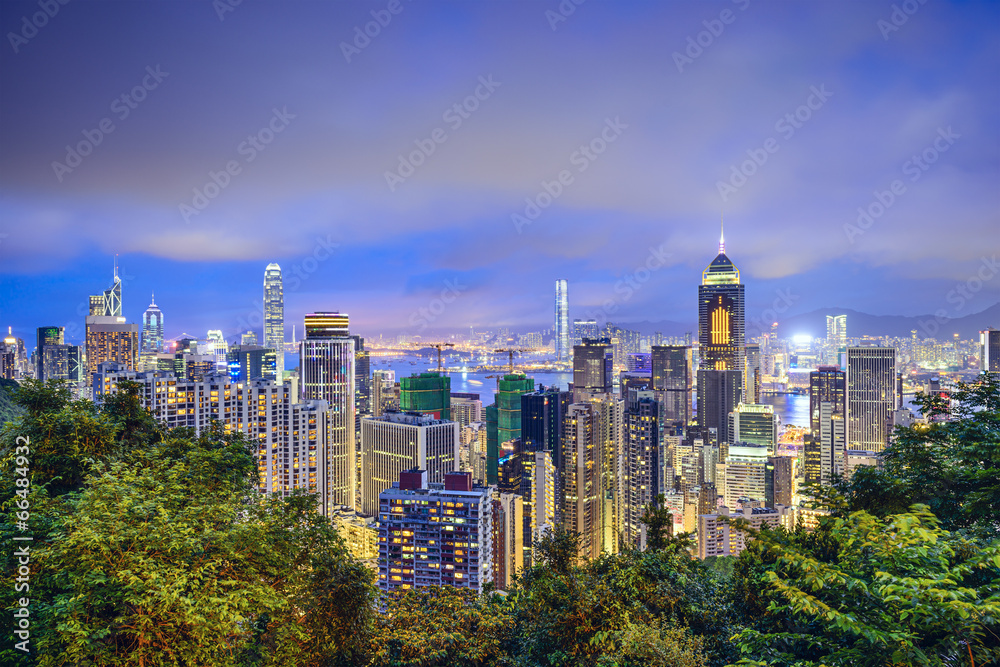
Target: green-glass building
428 393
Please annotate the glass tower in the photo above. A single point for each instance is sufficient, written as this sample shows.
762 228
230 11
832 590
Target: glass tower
721 315
152 335
274 316
562 321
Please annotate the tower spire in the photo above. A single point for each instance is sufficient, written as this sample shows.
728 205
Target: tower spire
722 235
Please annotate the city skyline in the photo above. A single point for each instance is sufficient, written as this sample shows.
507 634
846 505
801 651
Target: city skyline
789 119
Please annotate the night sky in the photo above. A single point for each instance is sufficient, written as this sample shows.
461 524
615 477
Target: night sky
631 126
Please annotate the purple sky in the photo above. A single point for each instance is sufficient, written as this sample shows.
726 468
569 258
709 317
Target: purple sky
671 120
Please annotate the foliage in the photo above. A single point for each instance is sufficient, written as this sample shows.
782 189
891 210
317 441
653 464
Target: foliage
443 626
8 409
870 591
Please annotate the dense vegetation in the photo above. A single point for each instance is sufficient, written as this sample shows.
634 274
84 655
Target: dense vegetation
152 548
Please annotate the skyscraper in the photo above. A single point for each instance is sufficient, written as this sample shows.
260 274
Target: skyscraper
581 478
398 441
326 364
871 397
152 336
719 392
562 321
639 480
721 315
672 382
585 329
989 350
593 367
47 336
427 393
274 316
836 330
754 423
827 426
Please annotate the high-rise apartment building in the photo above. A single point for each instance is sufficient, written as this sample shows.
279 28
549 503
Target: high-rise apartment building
561 342
291 436
752 374
721 315
435 534
326 367
871 397
639 478
274 317
399 441
508 539
581 471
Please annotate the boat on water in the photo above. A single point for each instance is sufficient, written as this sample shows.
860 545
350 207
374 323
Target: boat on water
475 381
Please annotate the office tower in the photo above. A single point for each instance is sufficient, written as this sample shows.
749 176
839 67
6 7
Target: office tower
640 475
508 539
383 392
745 473
291 436
671 368
989 350
593 367
721 315
754 423
109 303
719 392
581 478
362 377
871 397
451 524
219 348
751 375
541 419
274 316
778 481
151 343
249 362
585 329
426 393
249 338
326 365
639 362
827 425
397 441
561 343
8 357
46 336
836 331
110 338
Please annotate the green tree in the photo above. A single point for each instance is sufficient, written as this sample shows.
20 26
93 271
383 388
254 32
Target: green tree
870 591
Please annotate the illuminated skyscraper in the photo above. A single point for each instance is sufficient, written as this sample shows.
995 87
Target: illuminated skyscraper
871 397
326 364
46 336
581 477
152 336
672 383
754 424
721 315
274 316
827 426
562 321
989 350
836 330
593 367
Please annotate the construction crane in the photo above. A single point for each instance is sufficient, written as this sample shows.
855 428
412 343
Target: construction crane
439 346
510 352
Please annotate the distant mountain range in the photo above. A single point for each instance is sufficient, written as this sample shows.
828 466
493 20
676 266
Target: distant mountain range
860 324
